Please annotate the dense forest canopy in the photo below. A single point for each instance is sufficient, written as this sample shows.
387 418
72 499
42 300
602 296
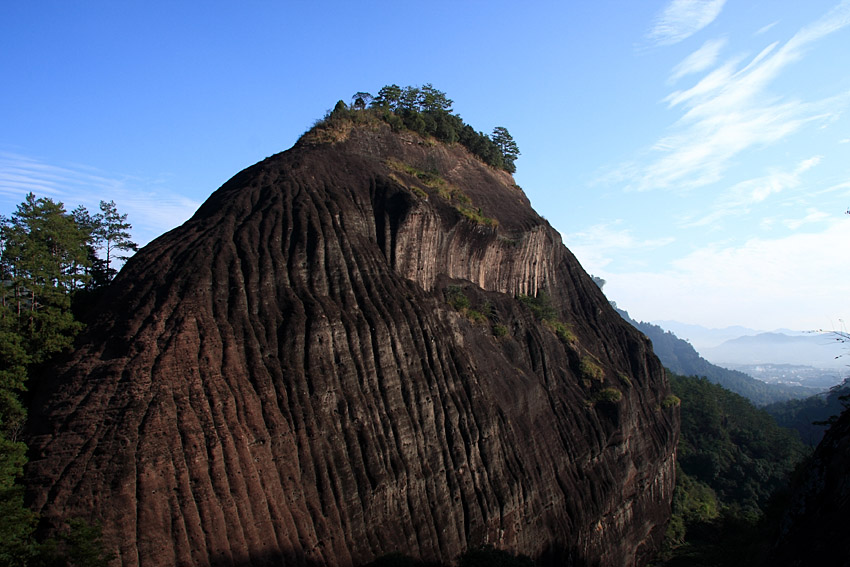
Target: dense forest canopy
812 416
52 263
427 111
734 462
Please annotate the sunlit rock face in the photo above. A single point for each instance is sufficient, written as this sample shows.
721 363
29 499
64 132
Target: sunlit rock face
290 378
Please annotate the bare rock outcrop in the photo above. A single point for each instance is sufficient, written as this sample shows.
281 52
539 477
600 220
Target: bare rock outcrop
285 379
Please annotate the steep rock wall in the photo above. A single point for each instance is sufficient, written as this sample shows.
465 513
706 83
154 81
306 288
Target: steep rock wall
281 380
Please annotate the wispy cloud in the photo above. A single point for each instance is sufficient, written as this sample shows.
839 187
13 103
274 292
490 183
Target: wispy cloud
764 29
151 212
731 110
681 19
842 187
595 245
813 216
21 174
700 60
738 199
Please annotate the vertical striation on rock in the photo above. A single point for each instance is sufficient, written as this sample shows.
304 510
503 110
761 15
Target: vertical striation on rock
281 380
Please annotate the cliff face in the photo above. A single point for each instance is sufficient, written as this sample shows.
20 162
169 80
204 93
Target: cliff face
281 380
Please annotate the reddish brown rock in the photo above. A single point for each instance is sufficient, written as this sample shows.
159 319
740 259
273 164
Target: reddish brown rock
281 380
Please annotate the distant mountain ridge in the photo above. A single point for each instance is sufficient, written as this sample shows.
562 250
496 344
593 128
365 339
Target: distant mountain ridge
704 337
680 357
818 350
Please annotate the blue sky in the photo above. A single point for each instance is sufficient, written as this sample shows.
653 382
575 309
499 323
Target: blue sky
694 153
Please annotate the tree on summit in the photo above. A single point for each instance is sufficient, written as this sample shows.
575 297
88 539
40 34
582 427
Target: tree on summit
433 100
360 100
388 98
428 112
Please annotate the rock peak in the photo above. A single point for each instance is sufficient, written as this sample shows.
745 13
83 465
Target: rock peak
368 343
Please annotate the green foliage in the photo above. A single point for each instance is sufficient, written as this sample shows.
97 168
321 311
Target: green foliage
506 144
499 330
693 500
732 446
42 252
562 330
671 401
475 316
459 302
541 306
17 522
111 233
475 216
388 98
47 258
732 458
606 395
456 298
84 545
360 100
590 370
460 200
428 112
811 417
340 111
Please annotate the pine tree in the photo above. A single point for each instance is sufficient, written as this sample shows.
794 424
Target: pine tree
388 98
503 139
112 233
16 521
433 100
47 257
43 250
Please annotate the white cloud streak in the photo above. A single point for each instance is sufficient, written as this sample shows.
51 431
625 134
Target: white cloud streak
764 29
681 19
150 212
700 60
738 199
813 216
730 110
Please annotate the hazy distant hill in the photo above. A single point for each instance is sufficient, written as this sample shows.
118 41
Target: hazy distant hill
681 357
703 337
818 350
